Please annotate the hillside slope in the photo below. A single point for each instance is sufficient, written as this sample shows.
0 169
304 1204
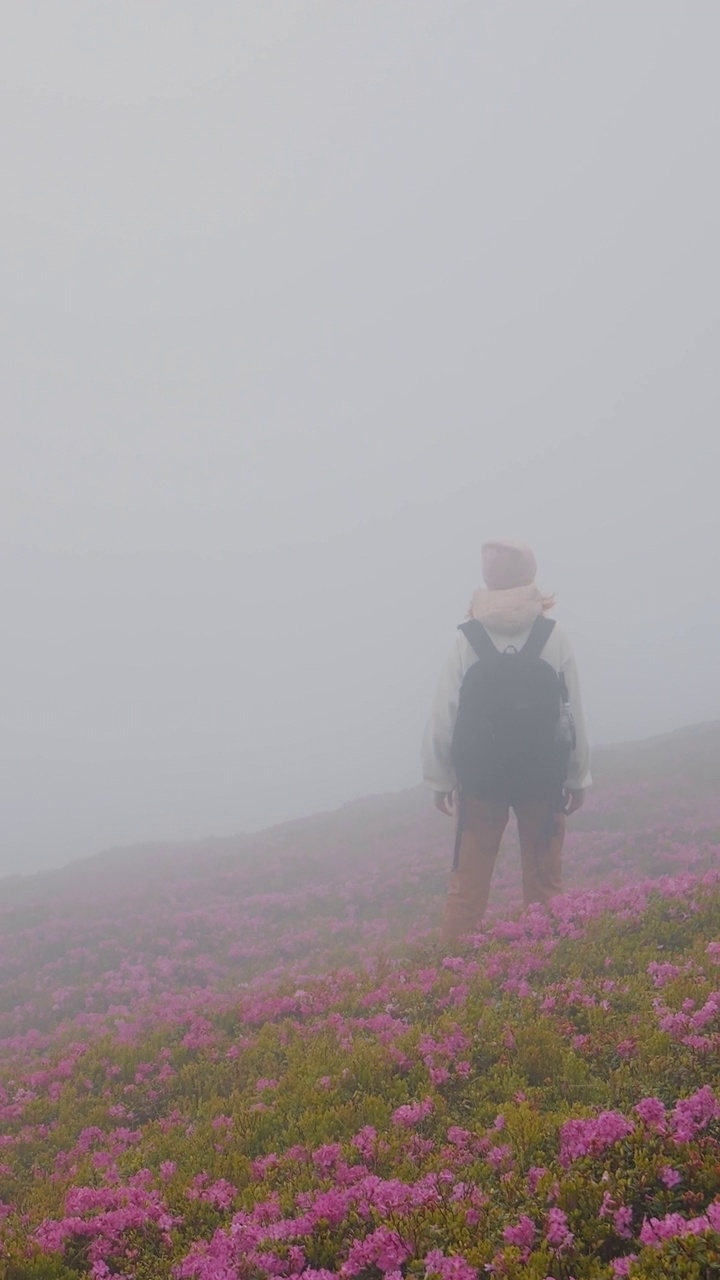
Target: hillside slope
395 847
246 1059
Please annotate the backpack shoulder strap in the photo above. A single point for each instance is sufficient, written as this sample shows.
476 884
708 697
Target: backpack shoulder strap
475 632
538 638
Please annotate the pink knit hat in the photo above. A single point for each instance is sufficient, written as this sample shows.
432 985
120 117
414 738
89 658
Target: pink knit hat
508 564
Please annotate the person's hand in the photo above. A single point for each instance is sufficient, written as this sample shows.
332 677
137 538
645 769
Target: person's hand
445 802
574 800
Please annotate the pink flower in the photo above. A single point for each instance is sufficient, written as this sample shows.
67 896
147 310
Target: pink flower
558 1233
418 1148
580 1138
670 1177
701 1044
326 1158
263 1164
364 1142
413 1113
607 1206
523 1234
220 1195
226 1122
652 1113
661 974
439 1075
621 1266
384 1249
627 1048
459 1137
622 1222
655 1230
692 1115
535 1174
713 1215
454 1268
498 1157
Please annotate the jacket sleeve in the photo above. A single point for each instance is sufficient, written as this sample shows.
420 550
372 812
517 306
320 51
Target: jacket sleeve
579 775
438 772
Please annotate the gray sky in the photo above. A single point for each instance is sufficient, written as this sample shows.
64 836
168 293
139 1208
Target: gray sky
300 303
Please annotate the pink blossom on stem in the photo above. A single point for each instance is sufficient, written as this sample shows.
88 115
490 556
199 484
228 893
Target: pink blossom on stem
522 1234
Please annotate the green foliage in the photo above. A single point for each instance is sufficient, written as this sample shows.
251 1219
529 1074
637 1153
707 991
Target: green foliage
209 1101
38 1268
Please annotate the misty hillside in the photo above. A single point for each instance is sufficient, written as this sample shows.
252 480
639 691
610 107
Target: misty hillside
688 760
247 1060
635 783
385 858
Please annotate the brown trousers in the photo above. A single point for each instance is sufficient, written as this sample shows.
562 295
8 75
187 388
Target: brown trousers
483 825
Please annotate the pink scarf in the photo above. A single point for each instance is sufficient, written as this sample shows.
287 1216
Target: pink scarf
509 612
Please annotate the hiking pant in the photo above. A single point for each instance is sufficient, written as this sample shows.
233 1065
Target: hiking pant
481 825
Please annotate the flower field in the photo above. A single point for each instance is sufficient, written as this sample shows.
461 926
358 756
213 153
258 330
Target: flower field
249 1059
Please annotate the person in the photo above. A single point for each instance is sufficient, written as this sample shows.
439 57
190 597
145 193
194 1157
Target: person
544 777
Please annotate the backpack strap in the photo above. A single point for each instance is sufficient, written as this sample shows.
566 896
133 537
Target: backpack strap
541 631
475 632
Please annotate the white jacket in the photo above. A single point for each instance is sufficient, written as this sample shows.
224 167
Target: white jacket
438 772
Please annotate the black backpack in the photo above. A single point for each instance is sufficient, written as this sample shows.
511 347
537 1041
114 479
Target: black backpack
514 733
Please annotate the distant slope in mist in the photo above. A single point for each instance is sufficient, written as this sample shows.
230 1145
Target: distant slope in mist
640 788
674 769
687 759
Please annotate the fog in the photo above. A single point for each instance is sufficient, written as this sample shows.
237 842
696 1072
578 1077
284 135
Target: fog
301 302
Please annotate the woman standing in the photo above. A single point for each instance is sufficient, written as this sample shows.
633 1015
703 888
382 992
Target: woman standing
506 731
